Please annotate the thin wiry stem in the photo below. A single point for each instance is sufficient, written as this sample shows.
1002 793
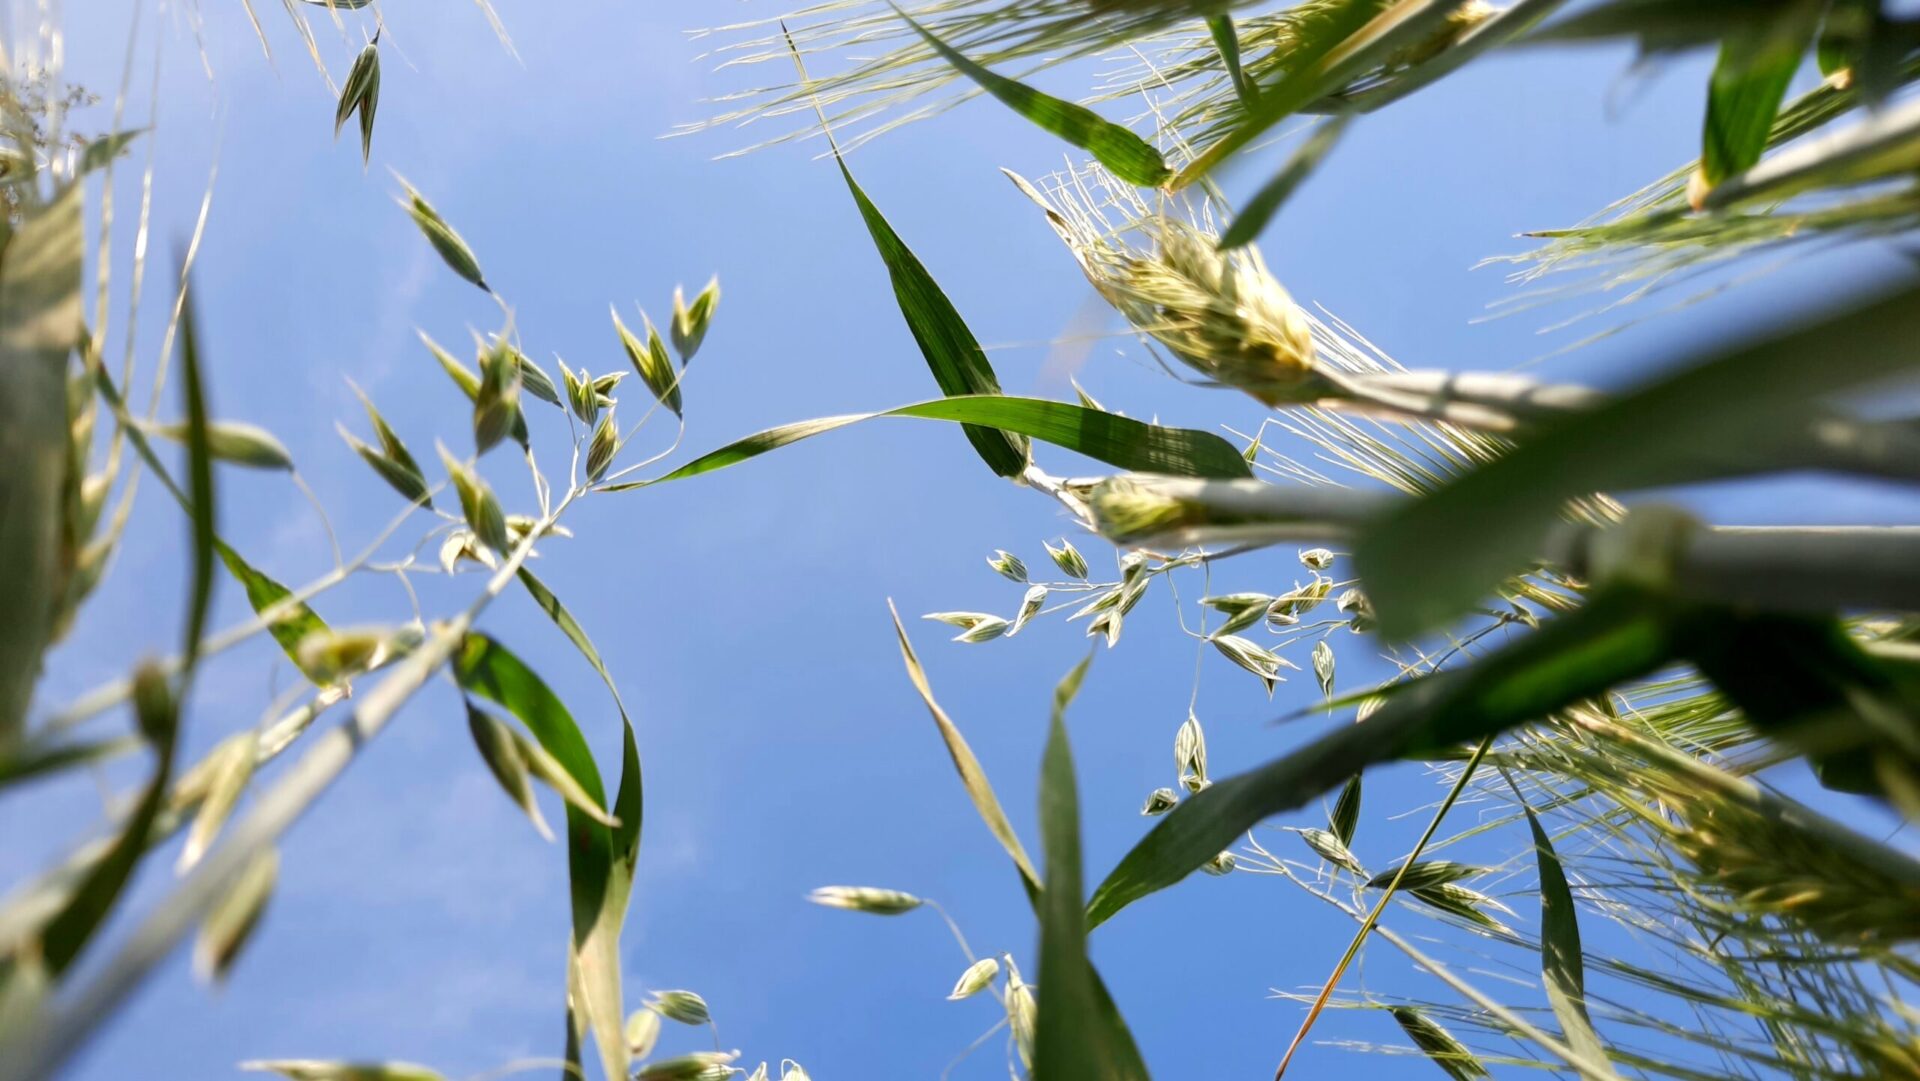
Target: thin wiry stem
1380 906
111 694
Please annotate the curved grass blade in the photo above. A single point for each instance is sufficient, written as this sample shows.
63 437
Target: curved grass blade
1252 218
1614 637
200 505
1430 559
1118 1041
1748 84
599 883
1226 41
1119 441
571 627
1067 1040
627 801
972 777
1125 154
1562 968
293 620
958 363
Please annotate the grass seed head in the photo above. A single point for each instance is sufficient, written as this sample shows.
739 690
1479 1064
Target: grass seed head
600 452
1190 755
682 1006
690 321
1068 559
977 978
1008 565
642 1032
868 899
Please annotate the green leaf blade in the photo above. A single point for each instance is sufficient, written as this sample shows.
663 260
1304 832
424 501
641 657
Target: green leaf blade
598 884
1561 958
1744 94
958 363
1067 1043
1125 154
1118 441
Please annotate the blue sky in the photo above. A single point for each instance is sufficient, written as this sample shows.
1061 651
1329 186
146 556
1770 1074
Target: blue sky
418 917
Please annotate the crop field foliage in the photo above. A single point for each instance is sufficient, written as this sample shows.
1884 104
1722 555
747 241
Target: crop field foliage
1607 882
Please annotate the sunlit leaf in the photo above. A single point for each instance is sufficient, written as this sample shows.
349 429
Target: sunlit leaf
1561 965
1253 216
598 857
1108 437
955 357
1746 90
1125 154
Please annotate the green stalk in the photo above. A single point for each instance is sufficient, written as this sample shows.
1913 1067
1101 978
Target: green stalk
1380 906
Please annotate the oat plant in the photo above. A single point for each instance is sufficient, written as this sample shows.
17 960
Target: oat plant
86 433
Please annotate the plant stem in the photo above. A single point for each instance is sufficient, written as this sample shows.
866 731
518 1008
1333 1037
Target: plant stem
1373 917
